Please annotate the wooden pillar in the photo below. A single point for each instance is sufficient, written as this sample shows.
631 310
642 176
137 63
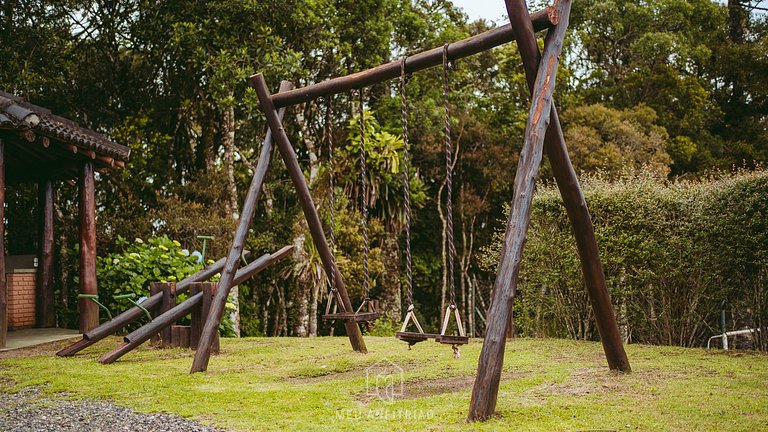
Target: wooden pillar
354 333
486 387
3 282
169 302
197 316
89 311
211 327
45 309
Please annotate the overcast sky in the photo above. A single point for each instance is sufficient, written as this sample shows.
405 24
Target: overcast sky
492 10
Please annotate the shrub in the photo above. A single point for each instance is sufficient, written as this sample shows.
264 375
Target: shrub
672 253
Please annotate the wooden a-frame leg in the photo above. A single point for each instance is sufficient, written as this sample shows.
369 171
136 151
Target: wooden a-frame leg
486 387
211 326
307 205
573 198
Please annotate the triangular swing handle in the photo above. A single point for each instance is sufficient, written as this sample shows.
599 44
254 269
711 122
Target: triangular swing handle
452 308
411 315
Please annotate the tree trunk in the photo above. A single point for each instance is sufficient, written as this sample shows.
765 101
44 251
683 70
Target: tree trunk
302 289
313 309
228 138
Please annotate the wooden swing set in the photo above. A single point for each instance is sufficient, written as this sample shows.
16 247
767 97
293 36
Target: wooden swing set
543 133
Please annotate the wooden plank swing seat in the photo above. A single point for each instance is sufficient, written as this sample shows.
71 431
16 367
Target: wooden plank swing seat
412 338
353 316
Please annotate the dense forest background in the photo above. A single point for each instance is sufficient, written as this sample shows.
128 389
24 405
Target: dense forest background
673 89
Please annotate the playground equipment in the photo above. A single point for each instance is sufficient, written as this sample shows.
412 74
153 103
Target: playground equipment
158 298
451 310
542 132
366 312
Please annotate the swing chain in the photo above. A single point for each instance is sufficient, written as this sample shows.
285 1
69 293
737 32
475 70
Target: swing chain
448 177
364 197
406 182
333 294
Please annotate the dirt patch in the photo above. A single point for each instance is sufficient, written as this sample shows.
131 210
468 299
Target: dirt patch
49 348
426 388
598 380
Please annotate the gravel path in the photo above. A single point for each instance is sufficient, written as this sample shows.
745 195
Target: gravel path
29 411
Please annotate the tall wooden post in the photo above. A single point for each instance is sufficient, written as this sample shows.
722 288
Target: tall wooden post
573 198
45 309
3 281
307 205
89 311
486 388
211 326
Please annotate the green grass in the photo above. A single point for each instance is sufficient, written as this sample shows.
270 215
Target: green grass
319 384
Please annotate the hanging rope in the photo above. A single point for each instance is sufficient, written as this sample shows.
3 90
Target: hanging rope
406 184
364 198
448 177
331 202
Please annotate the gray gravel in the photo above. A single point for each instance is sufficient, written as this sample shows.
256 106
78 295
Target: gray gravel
29 411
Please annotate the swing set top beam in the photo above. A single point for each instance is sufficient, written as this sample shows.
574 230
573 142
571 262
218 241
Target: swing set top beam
541 20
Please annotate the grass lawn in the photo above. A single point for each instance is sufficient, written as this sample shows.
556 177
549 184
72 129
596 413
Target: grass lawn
319 384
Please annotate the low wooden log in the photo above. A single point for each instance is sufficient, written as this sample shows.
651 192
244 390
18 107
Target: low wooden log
486 387
209 293
168 303
307 205
211 327
120 164
155 291
197 318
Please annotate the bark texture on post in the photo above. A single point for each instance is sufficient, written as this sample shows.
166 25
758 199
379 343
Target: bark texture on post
211 327
486 387
307 205
3 281
45 309
573 199
89 311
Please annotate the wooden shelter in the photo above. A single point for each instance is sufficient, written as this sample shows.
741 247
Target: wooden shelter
41 148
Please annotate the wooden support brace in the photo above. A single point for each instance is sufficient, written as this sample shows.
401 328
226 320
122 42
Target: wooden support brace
211 327
573 198
486 387
307 205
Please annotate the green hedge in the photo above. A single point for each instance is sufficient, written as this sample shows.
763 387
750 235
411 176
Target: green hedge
672 253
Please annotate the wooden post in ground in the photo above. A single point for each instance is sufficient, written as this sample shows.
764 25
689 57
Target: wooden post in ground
209 292
211 327
155 288
3 281
45 310
168 303
486 387
307 205
89 311
573 198
197 318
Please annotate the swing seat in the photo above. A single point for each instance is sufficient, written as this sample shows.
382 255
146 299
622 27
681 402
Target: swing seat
414 337
352 316
452 340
